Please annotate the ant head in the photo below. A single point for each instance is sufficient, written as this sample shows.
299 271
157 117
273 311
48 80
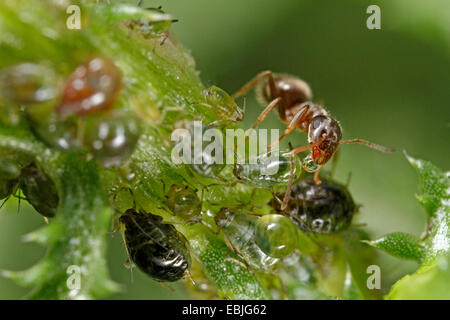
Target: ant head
292 90
326 133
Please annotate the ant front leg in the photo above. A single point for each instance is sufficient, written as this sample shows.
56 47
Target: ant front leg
298 118
252 83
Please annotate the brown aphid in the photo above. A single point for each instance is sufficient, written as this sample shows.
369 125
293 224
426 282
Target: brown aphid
93 87
291 98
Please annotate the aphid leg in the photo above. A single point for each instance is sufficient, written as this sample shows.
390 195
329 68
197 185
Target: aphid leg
4 201
369 144
293 124
349 177
166 286
166 110
18 203
191 174
253 82
130 262
165 36
189 276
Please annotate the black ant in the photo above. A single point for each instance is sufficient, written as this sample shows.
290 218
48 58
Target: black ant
292 98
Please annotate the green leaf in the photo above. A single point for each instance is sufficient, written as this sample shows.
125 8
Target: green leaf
401 245
155 76
431 279
432 284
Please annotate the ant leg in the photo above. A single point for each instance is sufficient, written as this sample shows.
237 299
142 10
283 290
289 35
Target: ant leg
291 175
249 85
263 116
298 118
316 176
287 195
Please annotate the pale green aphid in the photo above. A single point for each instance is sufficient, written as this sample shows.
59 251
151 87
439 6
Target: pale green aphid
276 235
239 231
222 104
268 169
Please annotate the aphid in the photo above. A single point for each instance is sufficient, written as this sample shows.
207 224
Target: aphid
57 133
93 87
9 177
276 235
7 188
239 231
112 138
151 22
202 161
184 202
28 84
39 190
291 97
324 208
157 248
267 170
222 104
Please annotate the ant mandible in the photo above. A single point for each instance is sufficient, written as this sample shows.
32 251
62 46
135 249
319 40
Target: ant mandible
292 98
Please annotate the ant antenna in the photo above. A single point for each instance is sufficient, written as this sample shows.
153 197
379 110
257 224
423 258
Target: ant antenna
368 144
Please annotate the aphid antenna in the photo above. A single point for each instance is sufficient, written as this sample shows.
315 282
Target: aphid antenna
122 232
189 276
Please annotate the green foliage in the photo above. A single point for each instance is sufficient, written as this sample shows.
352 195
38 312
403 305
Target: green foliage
158 73
431 279
400 244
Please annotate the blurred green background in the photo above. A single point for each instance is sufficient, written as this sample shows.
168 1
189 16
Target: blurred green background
390 86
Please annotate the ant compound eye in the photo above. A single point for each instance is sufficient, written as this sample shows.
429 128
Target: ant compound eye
309 164
276 235
93 87
112 138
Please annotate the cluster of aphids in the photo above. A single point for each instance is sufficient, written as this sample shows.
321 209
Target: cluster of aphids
74 113
311 205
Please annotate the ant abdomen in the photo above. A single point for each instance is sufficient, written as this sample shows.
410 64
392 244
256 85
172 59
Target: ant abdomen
291 90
